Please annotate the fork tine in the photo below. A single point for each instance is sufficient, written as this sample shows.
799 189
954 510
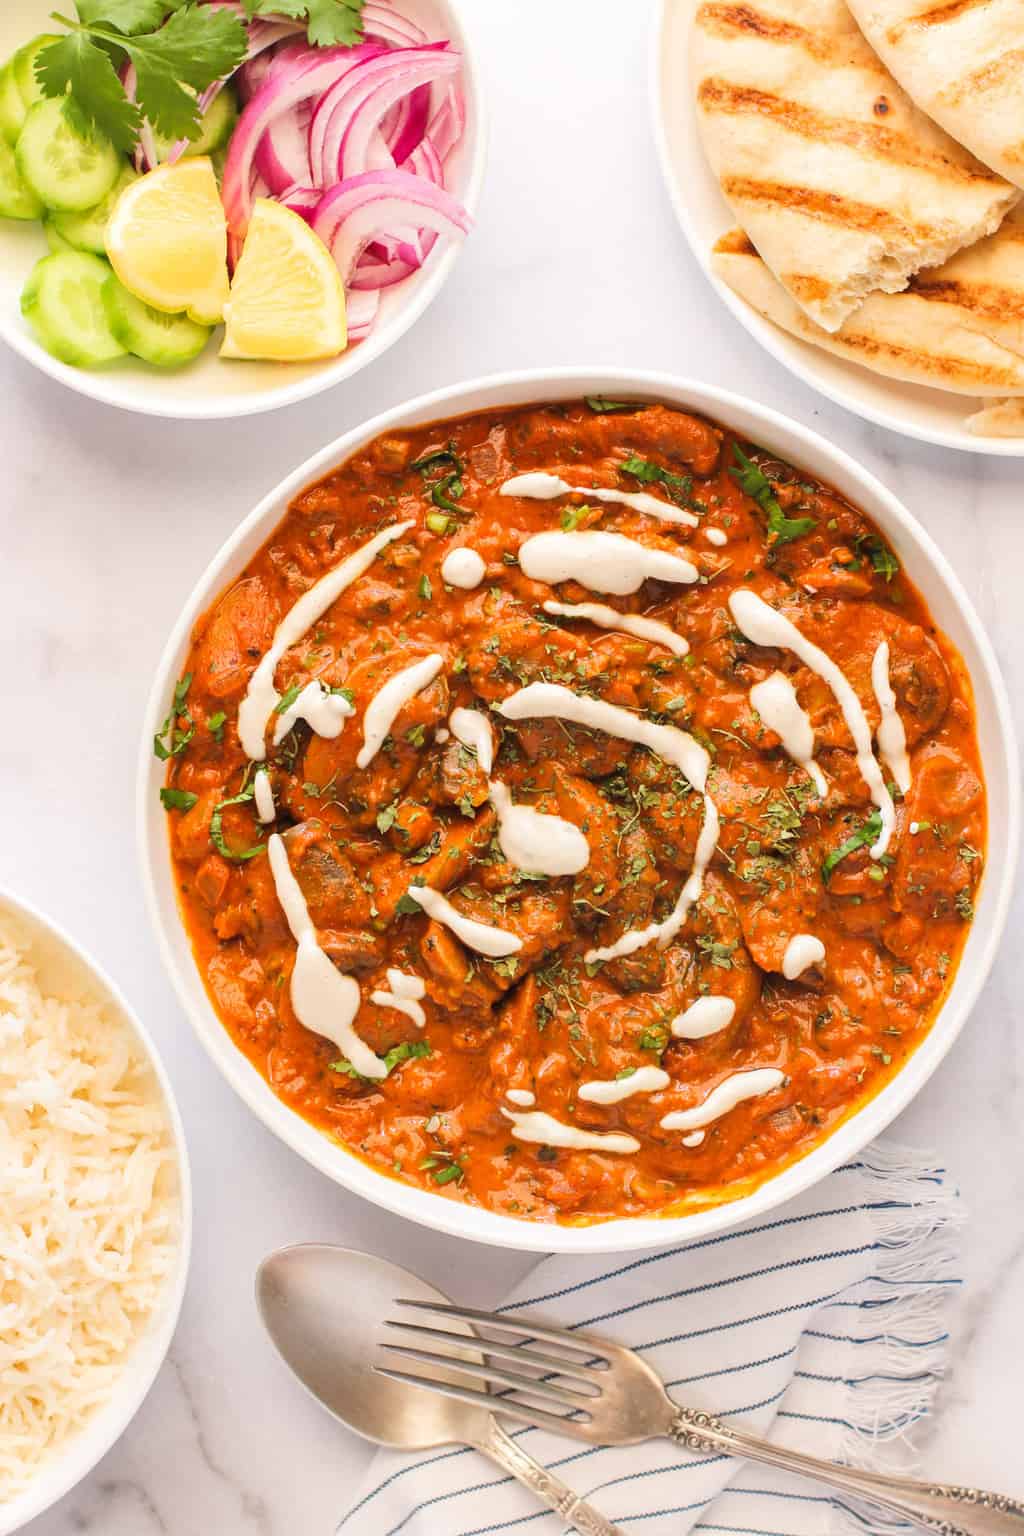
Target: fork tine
508 1408
529 1385
524 1356
593 1349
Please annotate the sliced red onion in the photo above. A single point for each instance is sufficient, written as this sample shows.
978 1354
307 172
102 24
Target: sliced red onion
361 311
278 94
448 124
380 21
411 131
353 212
370 91
282 154
301 200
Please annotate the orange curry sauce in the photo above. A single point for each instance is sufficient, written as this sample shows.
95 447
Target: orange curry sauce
544 1022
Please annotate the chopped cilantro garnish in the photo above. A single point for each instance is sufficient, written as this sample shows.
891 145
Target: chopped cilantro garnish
862 838
328 22
288 698
236 855
409 1050
169 740
571 517
753 482
448 1174
177 799
386 817
678 486
215 725
425 590
406 904
604 407
883 561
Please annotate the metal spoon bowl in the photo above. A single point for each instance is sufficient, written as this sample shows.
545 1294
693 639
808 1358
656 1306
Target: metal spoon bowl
326 1311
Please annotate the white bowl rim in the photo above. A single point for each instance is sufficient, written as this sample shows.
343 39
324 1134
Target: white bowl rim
789 350
621 1234
115 389
58 1478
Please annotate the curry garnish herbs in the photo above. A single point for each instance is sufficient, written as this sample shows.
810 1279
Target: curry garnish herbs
169 740
862 838
753 482
678 486
236 855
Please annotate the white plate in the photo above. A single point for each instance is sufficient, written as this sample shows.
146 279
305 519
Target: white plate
951 608
932 415
67 970
211 389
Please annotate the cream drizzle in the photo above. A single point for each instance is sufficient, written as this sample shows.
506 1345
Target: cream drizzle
324 1000
263 795
694 1139
553 701
404 996
802 951
626 623
604 562
716 536
705 1017
614 1090
388 701
496 943
261 696
324 712
533 1125
742 1085
776 702
521 1097
539 486
534 841
473 730
765 626
891 736
463 568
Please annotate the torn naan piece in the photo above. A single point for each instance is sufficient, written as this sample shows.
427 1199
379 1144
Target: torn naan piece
844 187
962 62
958 327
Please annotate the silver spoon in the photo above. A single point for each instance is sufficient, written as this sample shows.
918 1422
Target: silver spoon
325 1310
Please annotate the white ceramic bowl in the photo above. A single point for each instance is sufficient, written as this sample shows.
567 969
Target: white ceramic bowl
933 415
952 610
66 969
211 389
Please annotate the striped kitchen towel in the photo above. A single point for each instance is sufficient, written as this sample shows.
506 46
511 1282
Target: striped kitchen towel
820 1325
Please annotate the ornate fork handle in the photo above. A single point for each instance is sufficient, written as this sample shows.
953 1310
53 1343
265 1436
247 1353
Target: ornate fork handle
576 1512
938 1507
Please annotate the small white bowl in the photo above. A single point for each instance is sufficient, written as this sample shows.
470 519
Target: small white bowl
931 415
211 388
951 608
67 970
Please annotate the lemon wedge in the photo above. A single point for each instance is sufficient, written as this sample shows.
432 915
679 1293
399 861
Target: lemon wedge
167 240
287 300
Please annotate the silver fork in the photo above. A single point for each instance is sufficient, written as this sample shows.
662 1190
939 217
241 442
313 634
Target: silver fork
580 1385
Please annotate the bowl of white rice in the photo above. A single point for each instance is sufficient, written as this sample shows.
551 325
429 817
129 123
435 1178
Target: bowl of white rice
95 1213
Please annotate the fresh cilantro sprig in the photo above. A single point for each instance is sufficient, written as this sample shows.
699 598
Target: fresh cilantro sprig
409 1050
753 482
678 486
174 61
862 838
329 21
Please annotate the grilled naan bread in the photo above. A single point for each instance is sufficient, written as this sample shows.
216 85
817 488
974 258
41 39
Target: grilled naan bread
1005 418
962 61
958 327
841 183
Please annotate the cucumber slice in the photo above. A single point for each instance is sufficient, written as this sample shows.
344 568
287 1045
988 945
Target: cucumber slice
87 231
63 302
54 239
12 108
215 127
23 67
17 201
68 171
165 340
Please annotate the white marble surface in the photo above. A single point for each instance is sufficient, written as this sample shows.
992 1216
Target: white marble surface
105 523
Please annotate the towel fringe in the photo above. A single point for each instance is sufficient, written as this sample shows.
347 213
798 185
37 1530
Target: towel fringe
901 1325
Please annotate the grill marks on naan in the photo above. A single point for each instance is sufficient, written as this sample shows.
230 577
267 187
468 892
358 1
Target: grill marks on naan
959 327
962 62
843 186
